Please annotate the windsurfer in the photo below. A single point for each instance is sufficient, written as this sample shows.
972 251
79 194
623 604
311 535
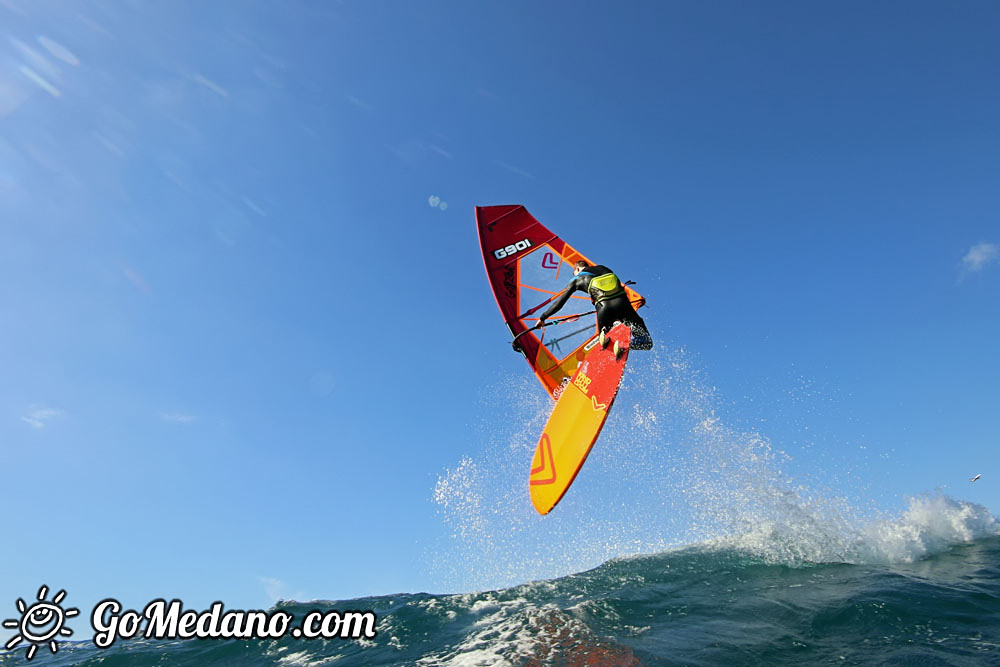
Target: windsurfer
610 301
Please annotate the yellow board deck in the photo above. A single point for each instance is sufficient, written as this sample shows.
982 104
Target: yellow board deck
576 420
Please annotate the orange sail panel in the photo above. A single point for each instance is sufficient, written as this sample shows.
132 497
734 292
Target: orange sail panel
528 267
576 421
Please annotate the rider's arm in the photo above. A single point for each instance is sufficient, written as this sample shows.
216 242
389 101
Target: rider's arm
575 284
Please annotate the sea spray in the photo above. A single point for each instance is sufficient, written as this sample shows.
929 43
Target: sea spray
667 471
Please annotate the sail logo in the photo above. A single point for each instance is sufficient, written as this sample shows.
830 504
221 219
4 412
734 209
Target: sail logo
512 249
509 281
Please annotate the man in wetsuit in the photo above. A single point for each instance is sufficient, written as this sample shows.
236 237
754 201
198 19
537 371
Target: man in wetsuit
610 301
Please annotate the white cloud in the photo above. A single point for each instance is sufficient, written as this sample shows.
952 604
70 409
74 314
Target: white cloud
253 207
177 418
211 85
514 170
137 280
38 416
322 383
980 256
112 147
441 151
361 104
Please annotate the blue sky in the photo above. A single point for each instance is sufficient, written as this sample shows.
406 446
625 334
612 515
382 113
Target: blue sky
247 328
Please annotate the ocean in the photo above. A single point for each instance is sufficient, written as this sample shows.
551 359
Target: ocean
702 605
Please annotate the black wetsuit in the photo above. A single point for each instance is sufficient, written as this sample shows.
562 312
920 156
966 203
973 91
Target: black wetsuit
612 304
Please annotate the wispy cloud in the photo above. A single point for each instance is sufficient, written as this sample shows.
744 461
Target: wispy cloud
440 151
979 257
95 26
322 383
211 85
177 418
177 180
107 143
514 170
361 104
137 281
38 416
253 207
410 151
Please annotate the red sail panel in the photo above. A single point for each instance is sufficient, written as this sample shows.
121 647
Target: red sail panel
528 266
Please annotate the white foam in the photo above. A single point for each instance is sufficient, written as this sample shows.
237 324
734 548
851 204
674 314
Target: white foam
515 632
931 524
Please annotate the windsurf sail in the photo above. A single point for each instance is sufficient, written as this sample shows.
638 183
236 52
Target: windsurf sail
528 267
